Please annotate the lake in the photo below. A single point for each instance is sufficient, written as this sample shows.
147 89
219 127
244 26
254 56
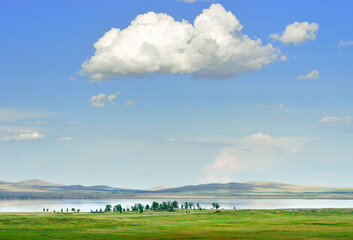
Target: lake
85 205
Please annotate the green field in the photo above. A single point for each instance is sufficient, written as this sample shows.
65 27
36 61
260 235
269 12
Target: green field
205 224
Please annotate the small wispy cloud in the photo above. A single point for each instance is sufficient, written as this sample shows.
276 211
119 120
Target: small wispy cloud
24 137
345 44
37 123
341 123
18 114
192 1
72 78
73 124
130 103
65 139
313 75
263 106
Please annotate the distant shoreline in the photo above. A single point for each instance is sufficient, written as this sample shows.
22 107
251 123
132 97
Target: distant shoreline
31 196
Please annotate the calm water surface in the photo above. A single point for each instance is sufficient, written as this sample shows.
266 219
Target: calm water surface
86 205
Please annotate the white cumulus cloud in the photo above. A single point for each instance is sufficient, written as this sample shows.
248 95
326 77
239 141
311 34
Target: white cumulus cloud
313 75
24 137
101 99
212 47
297 33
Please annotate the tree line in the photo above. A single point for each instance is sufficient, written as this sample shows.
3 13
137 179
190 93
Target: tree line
168 206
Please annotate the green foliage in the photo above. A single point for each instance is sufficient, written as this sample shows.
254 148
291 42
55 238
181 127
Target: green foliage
154 206
215 205
175 204
118 208
140 207
108 208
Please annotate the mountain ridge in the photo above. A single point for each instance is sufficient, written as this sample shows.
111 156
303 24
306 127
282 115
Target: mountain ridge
36 188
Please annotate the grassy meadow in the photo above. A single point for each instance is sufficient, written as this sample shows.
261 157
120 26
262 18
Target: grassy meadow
204 224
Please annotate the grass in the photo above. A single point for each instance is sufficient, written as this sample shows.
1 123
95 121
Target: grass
206 224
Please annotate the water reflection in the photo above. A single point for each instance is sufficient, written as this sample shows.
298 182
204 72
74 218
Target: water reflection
86 205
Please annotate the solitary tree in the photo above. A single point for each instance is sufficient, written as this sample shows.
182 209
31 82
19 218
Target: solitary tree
186 205
215 205
147 207
73 209
198 206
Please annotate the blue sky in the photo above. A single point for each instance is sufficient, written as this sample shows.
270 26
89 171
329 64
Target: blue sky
204 103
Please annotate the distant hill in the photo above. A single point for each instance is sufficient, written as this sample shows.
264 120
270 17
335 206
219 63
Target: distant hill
35 182
38 189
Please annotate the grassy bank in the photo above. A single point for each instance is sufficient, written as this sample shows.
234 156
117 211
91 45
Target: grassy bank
241 224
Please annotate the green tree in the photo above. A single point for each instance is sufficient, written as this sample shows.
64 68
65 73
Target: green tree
154 206
191 205
215 205
175 204
108 208
140 207
147 207
118 208
186 205
198 206
73 209
135 207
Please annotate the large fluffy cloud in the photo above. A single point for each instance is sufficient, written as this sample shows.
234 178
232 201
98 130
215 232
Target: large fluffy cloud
297 33
213 47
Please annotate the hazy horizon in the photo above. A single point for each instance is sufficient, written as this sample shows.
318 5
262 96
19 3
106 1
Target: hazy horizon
139 94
